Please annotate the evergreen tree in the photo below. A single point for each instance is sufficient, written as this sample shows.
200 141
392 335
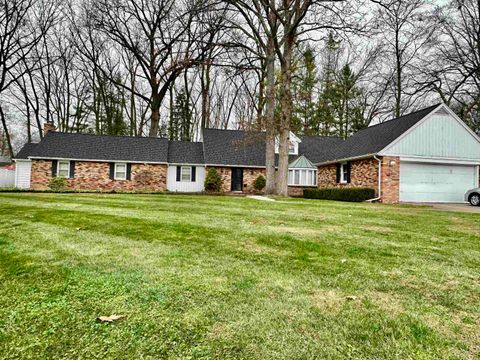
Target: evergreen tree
181 119
328 99
109 106
305 119
350 112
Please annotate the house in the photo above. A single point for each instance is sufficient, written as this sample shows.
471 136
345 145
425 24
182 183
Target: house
428 155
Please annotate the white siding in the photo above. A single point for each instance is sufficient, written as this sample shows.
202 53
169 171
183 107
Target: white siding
7 178
181 186
23 170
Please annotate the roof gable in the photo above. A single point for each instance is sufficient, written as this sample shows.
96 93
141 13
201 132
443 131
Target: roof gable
375 138
301 163
440 135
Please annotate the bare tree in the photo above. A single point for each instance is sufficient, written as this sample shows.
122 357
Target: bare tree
24 24
405 30
262 25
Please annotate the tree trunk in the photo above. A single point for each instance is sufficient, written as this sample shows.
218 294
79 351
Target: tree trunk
398 95
205 82
155 104
286 112
6 133
270 119
155 118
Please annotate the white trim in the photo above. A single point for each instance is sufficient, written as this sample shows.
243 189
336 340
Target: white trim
237 166
343 172
437 160
96 160
68 168
384 151
186 164
360 157
115 177
307 174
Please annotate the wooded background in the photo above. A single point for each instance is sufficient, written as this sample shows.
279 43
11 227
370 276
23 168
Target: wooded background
168 68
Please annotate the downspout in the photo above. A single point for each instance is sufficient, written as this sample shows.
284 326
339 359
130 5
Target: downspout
379 197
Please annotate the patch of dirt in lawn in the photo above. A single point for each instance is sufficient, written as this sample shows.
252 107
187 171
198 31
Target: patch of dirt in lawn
328 300
376 229
220 330
466 227
252 246
386 302
307 231
458 328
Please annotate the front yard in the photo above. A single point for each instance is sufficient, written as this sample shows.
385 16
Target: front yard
224 277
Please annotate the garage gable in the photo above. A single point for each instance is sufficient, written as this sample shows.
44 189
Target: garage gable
440 135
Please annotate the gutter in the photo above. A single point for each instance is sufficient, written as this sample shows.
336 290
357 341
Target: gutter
379 197
346 159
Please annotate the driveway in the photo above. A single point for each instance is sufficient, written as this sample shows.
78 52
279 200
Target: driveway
467 208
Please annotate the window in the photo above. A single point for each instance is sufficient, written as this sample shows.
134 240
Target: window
291 148
302 177
120 171
344 173
293 144
63 168
186 174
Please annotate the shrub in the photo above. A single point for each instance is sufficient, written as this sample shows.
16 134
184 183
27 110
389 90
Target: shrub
213 181
259 183
57 183
340 194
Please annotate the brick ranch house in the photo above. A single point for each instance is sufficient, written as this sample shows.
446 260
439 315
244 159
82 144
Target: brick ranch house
426 156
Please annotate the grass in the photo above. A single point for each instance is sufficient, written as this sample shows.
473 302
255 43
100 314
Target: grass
202 277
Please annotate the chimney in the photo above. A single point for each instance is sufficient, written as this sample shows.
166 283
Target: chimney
48 126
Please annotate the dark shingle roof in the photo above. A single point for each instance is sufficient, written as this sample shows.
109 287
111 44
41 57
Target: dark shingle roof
234 147
319 148
219 147
183 152
101 147
375 138
26 151
247 148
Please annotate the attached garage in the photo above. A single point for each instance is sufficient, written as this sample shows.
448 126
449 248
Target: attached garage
423 182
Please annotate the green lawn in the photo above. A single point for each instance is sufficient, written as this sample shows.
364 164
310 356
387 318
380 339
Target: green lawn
228 277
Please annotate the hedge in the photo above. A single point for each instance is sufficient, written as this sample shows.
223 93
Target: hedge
340 194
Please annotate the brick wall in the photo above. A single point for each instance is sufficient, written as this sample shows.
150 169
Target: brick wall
249 177
296 191
91 175
364 173
390 179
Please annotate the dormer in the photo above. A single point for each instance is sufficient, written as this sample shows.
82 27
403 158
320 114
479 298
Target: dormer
294 142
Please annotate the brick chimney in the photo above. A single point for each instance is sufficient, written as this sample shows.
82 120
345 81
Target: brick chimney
48 126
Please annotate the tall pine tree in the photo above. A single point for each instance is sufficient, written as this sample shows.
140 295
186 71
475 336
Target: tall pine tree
305 81
181 118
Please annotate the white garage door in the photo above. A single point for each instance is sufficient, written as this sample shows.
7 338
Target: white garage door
435 182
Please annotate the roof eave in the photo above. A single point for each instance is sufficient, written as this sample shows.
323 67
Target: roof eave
360 157
95 160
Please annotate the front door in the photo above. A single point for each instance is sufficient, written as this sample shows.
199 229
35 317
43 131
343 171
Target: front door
237 179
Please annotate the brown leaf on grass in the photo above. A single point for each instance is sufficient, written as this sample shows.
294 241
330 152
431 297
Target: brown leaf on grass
111 318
